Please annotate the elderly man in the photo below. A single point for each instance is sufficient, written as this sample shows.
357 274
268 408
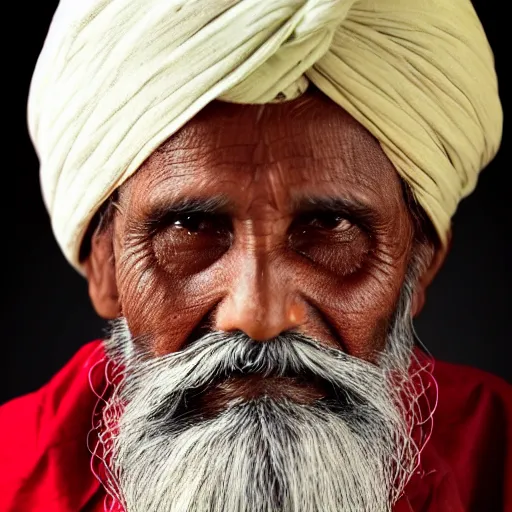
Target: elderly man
259 193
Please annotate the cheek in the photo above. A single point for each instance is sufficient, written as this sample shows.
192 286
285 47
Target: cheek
161 304
359 307
168 284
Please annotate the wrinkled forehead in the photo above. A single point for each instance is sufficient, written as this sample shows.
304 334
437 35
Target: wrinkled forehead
307 142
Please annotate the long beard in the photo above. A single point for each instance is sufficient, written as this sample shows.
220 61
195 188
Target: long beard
349 450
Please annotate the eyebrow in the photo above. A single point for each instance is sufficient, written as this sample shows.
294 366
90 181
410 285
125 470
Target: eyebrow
163 209
348 207
351 208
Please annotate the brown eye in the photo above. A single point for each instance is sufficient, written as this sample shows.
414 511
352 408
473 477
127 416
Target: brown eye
199 222
327 221
329 240
191 242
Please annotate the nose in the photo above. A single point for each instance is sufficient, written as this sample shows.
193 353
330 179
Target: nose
260 303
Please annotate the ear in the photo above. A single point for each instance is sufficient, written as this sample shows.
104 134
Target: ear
420 292
100 270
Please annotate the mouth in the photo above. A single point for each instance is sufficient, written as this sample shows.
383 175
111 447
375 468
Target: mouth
252 387
237 389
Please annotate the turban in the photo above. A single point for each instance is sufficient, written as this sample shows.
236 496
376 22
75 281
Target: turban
116 78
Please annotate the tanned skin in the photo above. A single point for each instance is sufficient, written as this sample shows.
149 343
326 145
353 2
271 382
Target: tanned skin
261 219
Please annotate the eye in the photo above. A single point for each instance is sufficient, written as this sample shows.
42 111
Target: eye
330 240
326 221
186 243
322 221
195 223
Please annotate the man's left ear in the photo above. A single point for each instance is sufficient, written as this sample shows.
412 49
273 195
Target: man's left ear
420 292
100 270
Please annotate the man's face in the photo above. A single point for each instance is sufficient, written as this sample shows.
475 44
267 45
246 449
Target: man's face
261 259
287 217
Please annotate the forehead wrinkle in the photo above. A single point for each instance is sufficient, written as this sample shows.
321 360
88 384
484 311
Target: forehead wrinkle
333 172
200 189
352 149
305 145
348 187
265 183
207 153
197 170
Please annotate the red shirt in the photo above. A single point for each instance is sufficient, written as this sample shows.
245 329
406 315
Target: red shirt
45 463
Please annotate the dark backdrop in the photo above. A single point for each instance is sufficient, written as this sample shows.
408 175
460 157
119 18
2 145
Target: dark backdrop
47 315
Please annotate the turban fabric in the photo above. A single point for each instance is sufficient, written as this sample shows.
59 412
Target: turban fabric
116 78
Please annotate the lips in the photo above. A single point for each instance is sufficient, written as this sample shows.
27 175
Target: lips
238 389
253 387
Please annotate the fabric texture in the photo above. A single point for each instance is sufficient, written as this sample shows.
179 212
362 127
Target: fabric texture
45 463
116 78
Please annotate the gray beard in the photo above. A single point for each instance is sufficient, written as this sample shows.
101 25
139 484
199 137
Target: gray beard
352 451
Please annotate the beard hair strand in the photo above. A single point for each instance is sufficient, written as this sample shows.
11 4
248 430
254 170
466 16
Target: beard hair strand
261 454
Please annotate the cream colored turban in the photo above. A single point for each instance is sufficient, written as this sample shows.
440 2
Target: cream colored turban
116 78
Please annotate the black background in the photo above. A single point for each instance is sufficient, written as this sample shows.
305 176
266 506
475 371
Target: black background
47 315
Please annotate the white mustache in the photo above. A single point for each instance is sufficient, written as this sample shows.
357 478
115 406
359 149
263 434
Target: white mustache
160 383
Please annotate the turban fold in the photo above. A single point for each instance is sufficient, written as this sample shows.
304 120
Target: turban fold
116 78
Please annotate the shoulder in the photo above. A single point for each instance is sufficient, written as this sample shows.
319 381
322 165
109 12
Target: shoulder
472 429
44 434
468 378
31 413
472 396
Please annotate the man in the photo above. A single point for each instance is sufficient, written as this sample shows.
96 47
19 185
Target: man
259 194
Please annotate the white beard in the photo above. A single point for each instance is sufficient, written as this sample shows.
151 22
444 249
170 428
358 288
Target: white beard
352 453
